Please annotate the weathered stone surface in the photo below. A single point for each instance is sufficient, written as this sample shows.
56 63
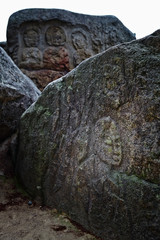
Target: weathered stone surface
58 40
43 77
93 142
17 93
3 45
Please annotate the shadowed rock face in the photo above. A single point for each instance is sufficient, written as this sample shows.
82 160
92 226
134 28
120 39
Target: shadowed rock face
48 43
17 93
93 148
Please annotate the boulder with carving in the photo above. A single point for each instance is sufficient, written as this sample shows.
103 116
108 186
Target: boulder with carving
48 43
93 143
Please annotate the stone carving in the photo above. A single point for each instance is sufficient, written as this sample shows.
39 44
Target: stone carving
31 58
82 46
55 36
91 142
36 36
56 58
31 37
107 141
79 40
43 77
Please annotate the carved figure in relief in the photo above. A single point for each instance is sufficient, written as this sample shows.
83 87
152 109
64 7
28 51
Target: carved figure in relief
80 43
107 144
79 40
55 36
97 45
31 57
31 37
56 58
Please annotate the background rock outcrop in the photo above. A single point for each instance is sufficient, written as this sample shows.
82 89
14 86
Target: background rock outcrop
93 143
47 43
17 93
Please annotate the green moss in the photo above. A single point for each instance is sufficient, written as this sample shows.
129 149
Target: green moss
70 88
132 179
158 197
110 150
59 85
117 60
40 109
108 141
48 113
69 82
54 146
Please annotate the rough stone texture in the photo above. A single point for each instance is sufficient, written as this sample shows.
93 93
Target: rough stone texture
17 93
93 142
51 42
3 45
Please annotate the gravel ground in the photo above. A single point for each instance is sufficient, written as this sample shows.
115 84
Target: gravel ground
21 221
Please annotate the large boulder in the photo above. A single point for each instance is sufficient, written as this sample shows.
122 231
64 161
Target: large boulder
17 93
93 143
48 43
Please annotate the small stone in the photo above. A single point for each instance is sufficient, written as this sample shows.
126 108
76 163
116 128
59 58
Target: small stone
30 203
1 173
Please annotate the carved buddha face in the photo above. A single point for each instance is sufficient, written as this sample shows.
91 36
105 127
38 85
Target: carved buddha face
31 38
